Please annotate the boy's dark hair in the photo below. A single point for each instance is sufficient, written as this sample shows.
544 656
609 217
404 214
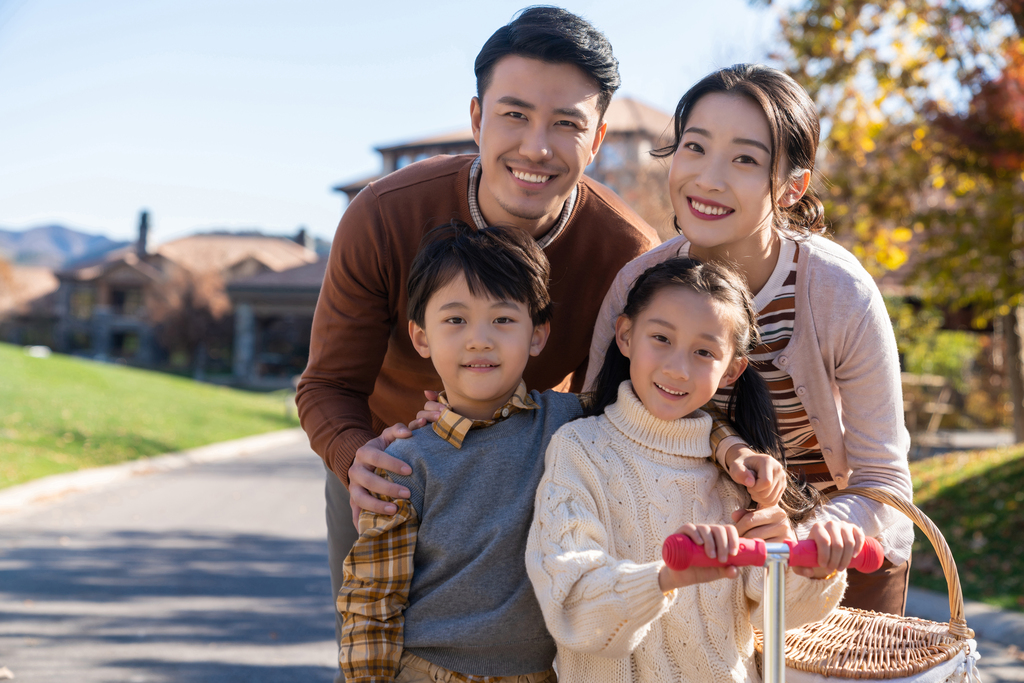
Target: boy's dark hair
555 35
504 262
750 409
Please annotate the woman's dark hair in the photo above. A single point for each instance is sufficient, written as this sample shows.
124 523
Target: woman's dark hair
750 409
504 262
792 120
555 35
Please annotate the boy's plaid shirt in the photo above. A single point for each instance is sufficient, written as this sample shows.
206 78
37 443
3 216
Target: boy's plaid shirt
379 568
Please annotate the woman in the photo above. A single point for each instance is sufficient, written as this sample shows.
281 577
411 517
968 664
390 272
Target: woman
742 161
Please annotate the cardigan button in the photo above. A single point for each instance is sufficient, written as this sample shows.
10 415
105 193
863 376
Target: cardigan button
827 452
783 360
800 391
815 421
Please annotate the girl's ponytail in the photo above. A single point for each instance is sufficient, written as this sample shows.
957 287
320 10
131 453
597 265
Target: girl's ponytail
614 372
752 414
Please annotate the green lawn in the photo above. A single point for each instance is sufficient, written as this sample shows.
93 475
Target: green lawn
59 414
976 498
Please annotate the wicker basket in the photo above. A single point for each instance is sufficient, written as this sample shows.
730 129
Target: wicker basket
862 645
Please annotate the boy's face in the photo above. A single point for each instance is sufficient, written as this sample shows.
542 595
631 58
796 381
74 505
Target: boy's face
479 346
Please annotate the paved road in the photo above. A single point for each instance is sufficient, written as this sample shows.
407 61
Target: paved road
214 572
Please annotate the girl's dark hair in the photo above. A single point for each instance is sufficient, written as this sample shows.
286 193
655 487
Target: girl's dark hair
750 409
792 120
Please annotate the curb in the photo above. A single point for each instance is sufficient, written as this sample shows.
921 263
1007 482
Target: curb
47 489
988 622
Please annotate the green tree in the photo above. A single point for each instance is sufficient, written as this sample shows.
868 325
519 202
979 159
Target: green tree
922 104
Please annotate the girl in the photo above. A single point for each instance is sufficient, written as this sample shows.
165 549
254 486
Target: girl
637 469
742 160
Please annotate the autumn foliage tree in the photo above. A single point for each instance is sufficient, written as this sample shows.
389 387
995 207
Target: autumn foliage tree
922 103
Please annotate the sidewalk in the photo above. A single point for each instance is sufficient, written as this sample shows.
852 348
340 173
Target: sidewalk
988 622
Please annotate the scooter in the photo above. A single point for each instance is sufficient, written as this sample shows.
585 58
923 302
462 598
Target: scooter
680 552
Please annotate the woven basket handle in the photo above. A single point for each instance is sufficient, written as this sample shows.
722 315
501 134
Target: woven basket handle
957 623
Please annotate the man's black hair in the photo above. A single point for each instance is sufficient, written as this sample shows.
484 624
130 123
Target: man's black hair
504 262
552 34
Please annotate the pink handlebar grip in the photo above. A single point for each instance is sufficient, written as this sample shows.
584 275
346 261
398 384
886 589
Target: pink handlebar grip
869 559
680 552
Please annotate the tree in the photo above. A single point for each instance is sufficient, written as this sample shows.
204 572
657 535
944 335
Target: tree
190 311
922 104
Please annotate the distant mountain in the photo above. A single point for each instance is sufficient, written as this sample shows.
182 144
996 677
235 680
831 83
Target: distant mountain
52 245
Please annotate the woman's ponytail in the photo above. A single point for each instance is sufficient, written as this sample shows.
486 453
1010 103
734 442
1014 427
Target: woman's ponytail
807 215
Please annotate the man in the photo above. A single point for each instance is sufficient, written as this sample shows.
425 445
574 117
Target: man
544 82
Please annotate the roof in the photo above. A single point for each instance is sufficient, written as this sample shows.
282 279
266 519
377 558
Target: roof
21 285
309 276
218 252
624 115
458 136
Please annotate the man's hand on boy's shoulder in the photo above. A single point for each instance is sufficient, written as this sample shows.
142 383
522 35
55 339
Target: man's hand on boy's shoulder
363 480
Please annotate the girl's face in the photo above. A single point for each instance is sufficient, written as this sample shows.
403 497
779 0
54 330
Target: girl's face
680 352
719 180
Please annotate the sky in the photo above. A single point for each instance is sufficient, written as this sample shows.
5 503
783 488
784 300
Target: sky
217 114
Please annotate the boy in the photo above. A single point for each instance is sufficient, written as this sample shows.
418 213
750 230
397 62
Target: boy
478 308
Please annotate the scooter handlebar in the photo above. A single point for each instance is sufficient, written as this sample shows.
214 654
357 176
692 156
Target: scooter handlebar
680 552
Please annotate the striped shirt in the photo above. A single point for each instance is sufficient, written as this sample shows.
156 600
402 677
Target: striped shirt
776 315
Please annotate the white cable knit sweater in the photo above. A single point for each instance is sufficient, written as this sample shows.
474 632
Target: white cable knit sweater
614 487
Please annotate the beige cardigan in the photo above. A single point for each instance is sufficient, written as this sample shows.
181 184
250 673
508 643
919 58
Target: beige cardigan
843 361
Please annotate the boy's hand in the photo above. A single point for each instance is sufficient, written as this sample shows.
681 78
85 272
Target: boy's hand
838 542
719 540
362 477
432 409
763 476
770 524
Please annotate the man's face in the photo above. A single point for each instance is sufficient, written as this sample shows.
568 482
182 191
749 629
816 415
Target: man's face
538 127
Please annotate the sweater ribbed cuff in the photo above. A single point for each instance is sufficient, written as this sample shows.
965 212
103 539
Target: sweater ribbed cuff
639 589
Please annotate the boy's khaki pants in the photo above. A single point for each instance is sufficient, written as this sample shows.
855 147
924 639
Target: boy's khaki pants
413 669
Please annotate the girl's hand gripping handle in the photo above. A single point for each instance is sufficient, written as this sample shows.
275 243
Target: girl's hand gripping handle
679 553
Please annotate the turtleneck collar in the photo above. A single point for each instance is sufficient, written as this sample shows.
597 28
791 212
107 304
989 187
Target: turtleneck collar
687 436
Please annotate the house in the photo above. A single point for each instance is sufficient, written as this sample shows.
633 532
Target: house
27 304
111 307
623 163
273 318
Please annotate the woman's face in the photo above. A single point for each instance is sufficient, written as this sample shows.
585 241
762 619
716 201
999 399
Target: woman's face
719 180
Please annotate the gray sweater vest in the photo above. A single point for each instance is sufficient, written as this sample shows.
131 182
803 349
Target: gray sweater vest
472 608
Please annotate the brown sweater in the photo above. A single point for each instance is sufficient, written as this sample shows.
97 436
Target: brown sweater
364 374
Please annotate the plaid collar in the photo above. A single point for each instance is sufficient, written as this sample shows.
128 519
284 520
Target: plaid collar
453 427
478 216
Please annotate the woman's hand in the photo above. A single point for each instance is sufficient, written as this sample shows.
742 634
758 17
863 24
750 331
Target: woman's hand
763 476
720 541
838 542
770 524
